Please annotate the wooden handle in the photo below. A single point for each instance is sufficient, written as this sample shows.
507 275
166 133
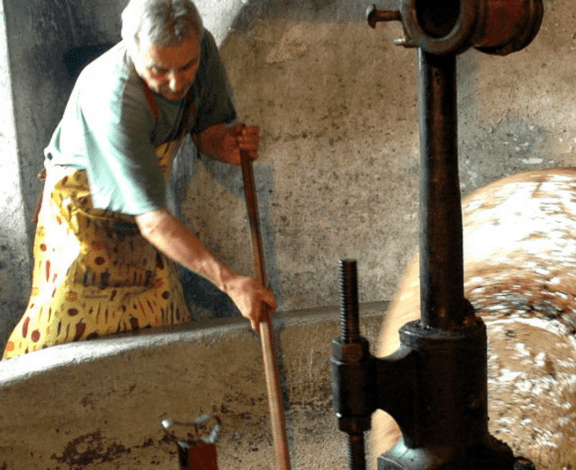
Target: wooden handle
253 217
266 332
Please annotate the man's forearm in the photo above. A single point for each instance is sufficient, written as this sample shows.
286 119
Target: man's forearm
176 241
212 142
173 238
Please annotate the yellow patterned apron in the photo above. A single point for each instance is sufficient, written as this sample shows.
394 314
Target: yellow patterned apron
94 274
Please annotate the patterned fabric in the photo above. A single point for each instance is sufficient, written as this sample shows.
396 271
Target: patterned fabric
94 274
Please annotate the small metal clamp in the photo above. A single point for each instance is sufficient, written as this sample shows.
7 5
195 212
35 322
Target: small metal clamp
195 430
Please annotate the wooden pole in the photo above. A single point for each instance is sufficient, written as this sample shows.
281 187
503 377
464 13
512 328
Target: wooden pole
266 331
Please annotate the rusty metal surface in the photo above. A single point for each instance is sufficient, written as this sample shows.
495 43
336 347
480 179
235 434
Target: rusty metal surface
451 27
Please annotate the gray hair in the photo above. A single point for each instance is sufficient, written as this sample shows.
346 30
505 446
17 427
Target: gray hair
162 22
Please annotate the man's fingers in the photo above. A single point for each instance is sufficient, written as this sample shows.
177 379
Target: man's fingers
271 301
255 326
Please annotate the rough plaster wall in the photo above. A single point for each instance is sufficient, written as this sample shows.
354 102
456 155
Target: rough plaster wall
338 176
14 258
218 15
319 194
39 33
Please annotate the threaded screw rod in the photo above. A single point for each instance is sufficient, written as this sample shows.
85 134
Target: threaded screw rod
356 454
350 333
349 317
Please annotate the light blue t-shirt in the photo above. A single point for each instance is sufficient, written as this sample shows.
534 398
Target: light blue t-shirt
109 128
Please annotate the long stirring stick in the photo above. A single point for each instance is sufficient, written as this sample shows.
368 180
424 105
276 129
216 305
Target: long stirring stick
266 333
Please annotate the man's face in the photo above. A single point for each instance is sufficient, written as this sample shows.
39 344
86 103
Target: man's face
168 71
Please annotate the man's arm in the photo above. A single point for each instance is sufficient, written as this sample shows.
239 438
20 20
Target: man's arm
176 241
223 143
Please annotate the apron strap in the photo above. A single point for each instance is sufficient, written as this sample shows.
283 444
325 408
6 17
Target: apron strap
189 109
151 102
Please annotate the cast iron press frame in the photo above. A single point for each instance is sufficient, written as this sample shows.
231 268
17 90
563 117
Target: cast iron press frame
435 385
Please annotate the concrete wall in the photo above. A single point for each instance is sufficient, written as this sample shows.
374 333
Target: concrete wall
14 255
338 176
339 168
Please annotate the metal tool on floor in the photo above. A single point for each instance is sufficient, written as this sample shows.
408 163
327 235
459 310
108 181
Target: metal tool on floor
266 331
196 444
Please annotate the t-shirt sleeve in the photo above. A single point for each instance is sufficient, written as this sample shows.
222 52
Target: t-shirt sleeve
123 171
214 102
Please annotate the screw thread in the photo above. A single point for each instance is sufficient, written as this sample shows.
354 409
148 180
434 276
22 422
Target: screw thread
356 455
349 318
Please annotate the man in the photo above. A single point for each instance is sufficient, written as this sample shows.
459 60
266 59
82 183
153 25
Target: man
105 242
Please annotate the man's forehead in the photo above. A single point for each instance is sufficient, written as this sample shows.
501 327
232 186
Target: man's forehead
172 56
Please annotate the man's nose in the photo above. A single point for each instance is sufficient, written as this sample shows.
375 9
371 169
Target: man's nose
176 81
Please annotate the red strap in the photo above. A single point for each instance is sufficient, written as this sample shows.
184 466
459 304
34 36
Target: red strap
189 111
152 102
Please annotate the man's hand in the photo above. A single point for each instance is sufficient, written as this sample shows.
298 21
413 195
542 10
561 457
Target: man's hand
251 298
224 143
244 138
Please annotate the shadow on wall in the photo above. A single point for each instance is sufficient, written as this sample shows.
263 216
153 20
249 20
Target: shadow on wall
78 57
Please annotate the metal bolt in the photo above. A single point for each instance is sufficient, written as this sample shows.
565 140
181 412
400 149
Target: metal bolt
356 455
404 42
373 15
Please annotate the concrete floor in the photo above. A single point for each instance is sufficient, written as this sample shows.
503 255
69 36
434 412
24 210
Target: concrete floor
99 404
103 408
